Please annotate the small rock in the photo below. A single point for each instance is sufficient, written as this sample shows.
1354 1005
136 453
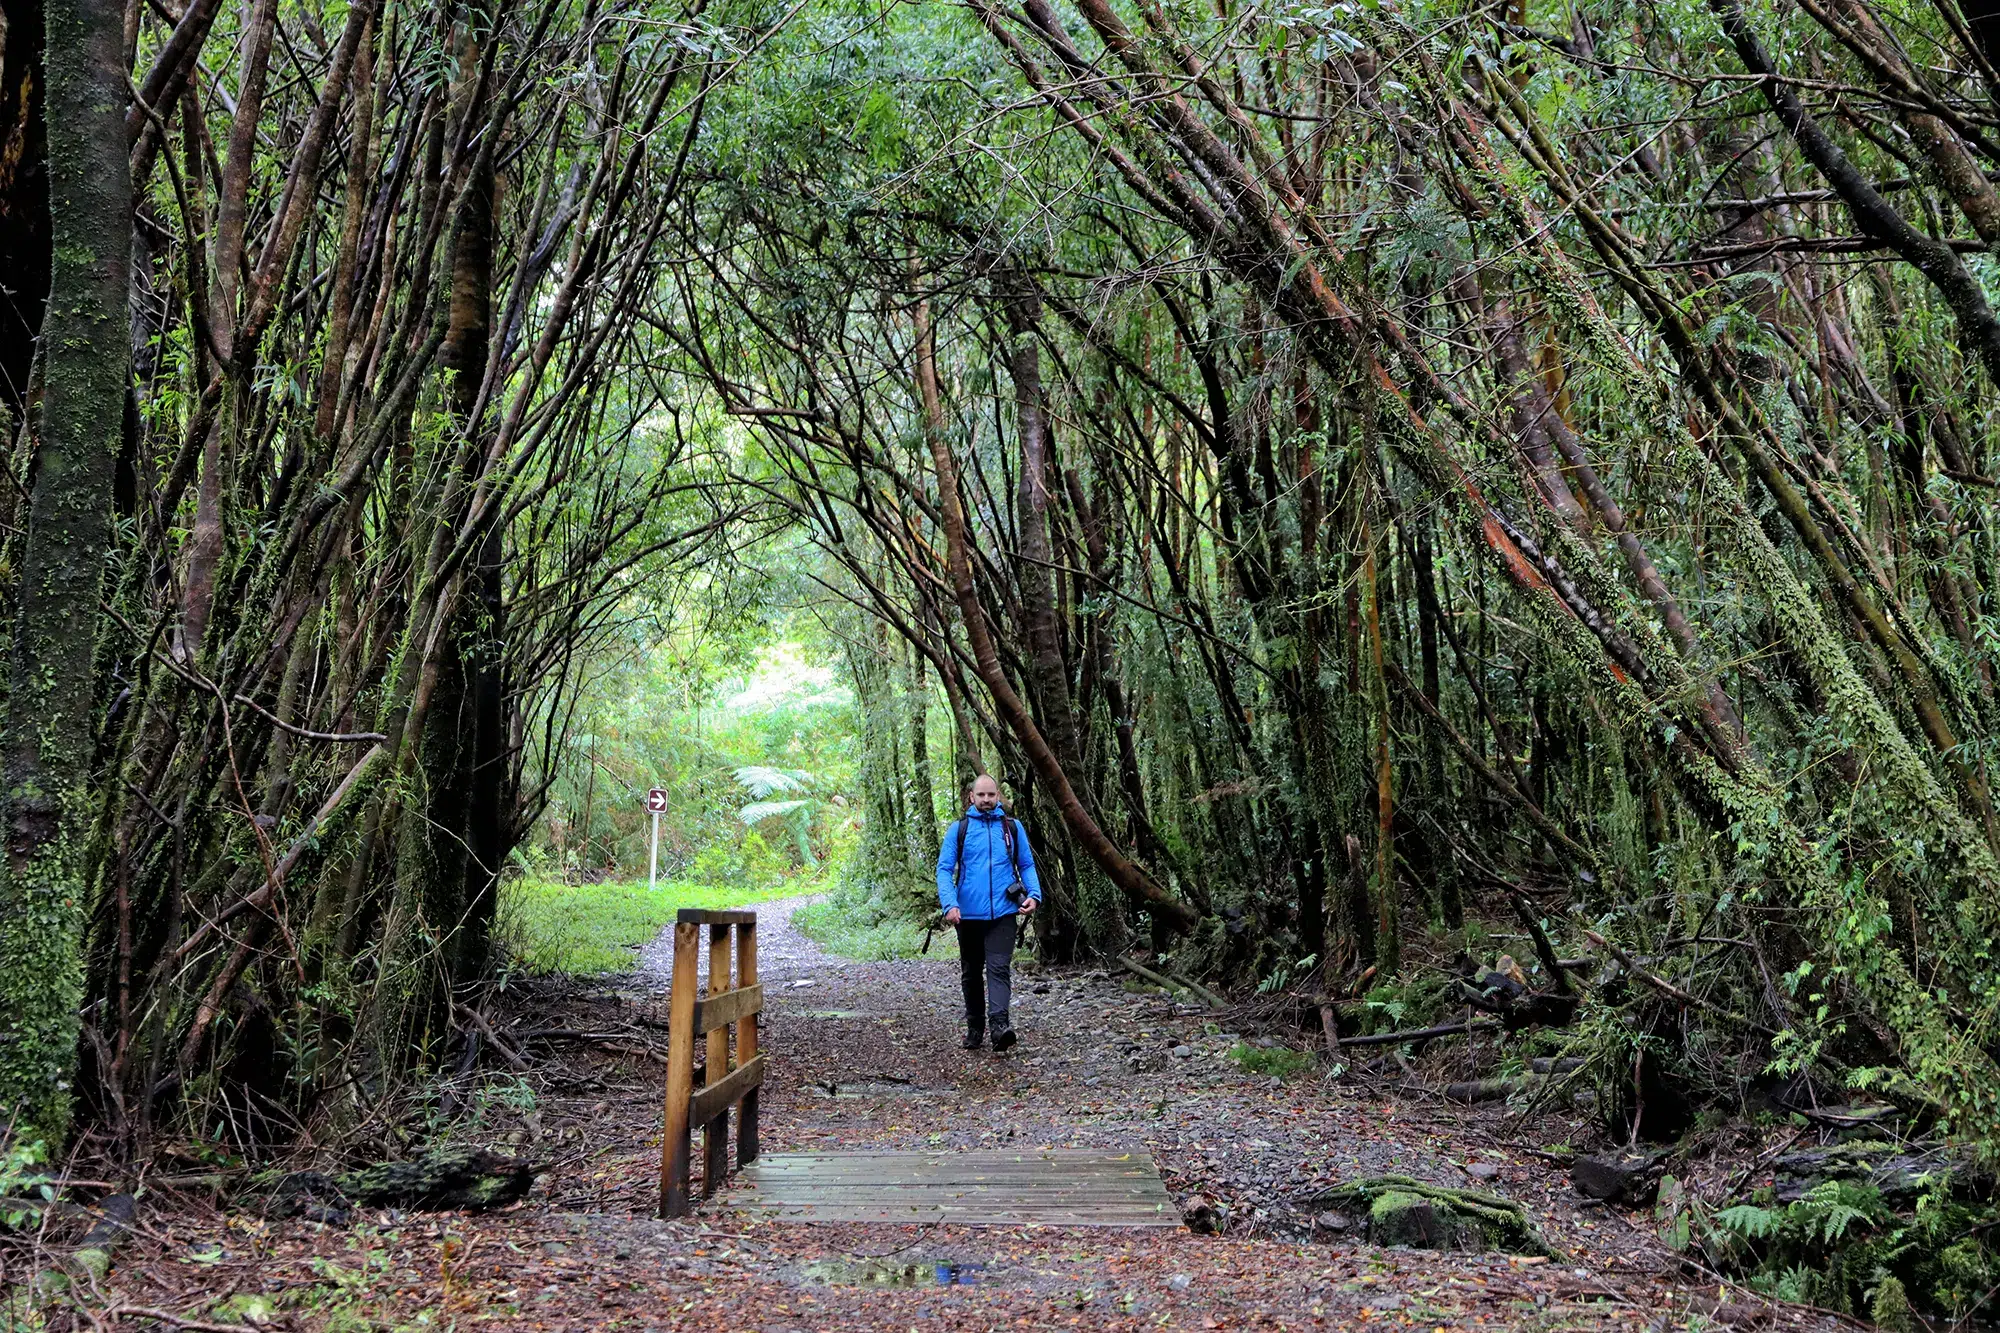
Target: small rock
1180 1282
554 1248
622 1250
1483 1171
1276 1082
1183 1052
1333 1221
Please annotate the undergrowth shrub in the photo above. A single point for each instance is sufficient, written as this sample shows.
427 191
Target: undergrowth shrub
1844 1247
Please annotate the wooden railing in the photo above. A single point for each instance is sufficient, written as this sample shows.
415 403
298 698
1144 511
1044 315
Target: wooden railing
731 936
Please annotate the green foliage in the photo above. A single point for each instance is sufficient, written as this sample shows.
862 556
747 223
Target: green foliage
1283 1061
1843 1246
581 929
712 717
1419 1000
1281 976
856 921
795 812
24 1186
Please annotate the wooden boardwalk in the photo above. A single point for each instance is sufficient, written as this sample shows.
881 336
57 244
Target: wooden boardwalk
1008 1188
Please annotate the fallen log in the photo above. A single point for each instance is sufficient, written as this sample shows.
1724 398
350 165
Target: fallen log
1485 1089
1540 1070
609 1041
117 1214
1172 983
1422 1034
450 1179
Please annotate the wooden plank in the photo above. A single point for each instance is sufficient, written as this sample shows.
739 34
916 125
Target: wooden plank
872 1163
1121 1188
1050 1188
714 1120
965 1217
728 1007
1065 1155
746 1040
996 1180
713 1100
697 916
921 1170
680 1074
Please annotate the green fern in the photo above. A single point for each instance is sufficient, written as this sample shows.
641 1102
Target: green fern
1749 1221
797 811
1831 1207
763 783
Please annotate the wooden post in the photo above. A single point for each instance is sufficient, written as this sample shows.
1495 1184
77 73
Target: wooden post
674 1145
715 1134
746 1042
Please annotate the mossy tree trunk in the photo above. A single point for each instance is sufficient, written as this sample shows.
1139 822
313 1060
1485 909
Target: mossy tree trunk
85 361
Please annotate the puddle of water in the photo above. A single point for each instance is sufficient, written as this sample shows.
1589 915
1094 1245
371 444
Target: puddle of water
881 1273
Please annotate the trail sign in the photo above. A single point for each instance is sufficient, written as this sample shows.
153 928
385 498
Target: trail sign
656 805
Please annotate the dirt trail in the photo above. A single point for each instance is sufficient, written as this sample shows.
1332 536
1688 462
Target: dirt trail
865 1055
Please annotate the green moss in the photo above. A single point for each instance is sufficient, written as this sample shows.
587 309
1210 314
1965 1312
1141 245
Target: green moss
1282 1061
41 988
1405 1211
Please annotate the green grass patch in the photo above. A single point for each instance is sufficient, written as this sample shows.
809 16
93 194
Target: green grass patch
1283 1061
864 932
587 929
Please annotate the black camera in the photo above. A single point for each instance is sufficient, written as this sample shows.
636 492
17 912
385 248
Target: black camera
1017 893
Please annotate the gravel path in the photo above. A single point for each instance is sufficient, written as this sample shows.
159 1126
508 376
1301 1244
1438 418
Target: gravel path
784 953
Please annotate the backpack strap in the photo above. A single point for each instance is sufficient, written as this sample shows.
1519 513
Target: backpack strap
1013 849
958 857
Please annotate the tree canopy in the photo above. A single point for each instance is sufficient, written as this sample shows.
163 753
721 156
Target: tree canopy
1349 468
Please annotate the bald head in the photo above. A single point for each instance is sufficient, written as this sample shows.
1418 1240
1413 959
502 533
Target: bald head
985 793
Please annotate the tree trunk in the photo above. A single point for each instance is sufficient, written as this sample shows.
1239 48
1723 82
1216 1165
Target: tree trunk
1141 887
48 742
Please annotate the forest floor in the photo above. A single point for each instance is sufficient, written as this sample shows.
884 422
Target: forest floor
1097 1067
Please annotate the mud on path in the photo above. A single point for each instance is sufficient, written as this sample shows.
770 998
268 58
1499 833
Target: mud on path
865 1055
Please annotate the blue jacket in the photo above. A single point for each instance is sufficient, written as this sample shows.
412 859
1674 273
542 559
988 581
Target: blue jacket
981 891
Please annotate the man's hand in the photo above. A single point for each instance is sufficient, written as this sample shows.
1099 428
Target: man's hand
951 917
1028 906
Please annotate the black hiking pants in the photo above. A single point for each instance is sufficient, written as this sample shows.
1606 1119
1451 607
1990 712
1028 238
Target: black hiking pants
986 966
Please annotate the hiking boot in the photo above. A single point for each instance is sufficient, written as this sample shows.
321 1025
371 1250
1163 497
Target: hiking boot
974 1039
1003 1033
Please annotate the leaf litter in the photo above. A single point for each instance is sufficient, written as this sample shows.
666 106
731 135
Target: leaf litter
1241 1152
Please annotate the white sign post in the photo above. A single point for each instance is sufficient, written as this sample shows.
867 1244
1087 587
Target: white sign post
656 802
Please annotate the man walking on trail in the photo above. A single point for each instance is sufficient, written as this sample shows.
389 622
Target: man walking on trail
986 881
